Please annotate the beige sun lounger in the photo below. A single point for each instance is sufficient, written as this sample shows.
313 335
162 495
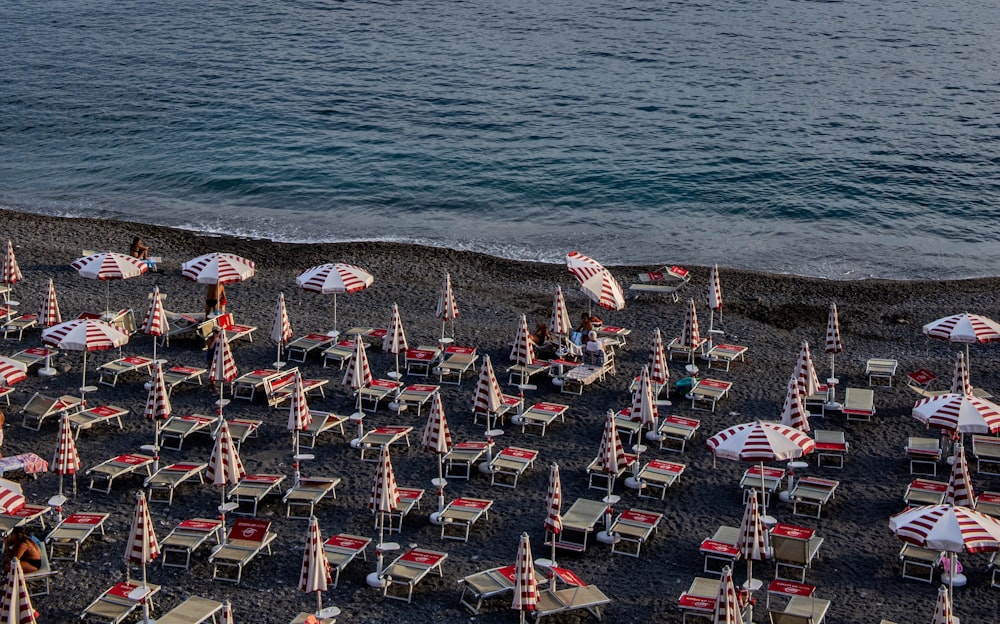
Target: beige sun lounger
164 481
540 415
73 531
810 494
676 432
512 461
114 605
246 539
832 446
877 368
24 516
633 527
986 502
598 479
338 353
375 392
409 569
377 438
484 585
177 428
919 564
177 375
721 549
801 610
674 347
246 385
657 476
111 371
587 597
409 499
322 422
464 456
342 549
242 428
252 489
108 470
33 356
580 518
663 281
19 324
924 455
457 360
96 415
462 513
925 492
859 404
233 330
699 600
986 450
417 395
299 349
707 392
307 493
39 408
186 538
723 355
194 610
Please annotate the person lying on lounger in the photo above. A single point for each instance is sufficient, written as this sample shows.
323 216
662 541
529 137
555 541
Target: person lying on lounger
19 545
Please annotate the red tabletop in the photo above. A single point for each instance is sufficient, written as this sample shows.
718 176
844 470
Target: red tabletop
831 446
123 589
198 418
187 370
922 376
410 493
392 430
701 603
507 572
85 518
789 530
263 372
37 351
200 525
731 347
316 337
420 354
343 541
131 459
424 557
719 547
988 497
568 576
378 333
250 529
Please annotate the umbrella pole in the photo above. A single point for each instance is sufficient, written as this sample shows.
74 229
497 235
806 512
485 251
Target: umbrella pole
319 601
763 491
295 456
156 444
222 513
83 394
442 327
334 314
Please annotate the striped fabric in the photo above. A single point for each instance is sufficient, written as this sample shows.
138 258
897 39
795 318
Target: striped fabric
48 311
659 372
109 265
523 351
281 328
84 335
690 335
226 615
960 383
11 496
315 575
714 296
761 441
384 495
947 527
955 412
334 278
964 328
437 436
155 322
752 539
12 372
525 582
559 322
643 403
959 490
942 609
157 401
833 344
611 454
596 281
806 372
218 268
66 460
224 465
299 417
793 413
358 374
394 341
553 502
727 607
223 364
142 545
488 398
16 607
11 272
447 307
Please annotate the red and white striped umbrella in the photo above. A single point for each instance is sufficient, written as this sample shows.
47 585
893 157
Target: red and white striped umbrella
523 351
611 455
16 607
659 372
942 608
394 341
218 268
714 296
157 400
11 496
48 311
224 465
553 507
958 413
753 540
761 441
947 527
226 615
281 327
84 335
11 272
384 496
806 372
66 460
643 402
142 546
960 383
596 281
223 369
559 323
525 582
155 322
833 345
316 574
107 266
793 413
358 374
690 336
965 329
12 372
334 278
959 490
727 606
447 307
437 436
299 417
488 399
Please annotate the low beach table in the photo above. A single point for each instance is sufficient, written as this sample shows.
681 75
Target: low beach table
417 395
107 471
725 354
73 531
675 432
542 414
377 438
187 537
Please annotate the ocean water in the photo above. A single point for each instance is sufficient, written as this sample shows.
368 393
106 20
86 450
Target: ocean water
839 139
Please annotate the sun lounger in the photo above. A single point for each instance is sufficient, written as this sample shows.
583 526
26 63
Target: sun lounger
372 336
627 425
246 539
541 415
925 492
723 355
123 320
186 538
676 431
521 375
587 597
801 610
177 428
376 391
39 408
242 428
194 610
832 446
111 371
994 566
164 481
277 390
658 475
252 489
484 585
986 502
919 564
33 356
598 479
462 513
417 395
114 605
510 403
582 376
794 548
707 392
421 360
338 353
23 516
986 450
377 438
19 324
663 281
580 519
464 456
342 549
512 461
685 352
43 574
924 455
105 473
5 392
877 368
246 385
187 325
457 360
177 375
322 422
615 336
859 404
721 549
96 415
409 499
299 349
409 569
810 494
307 493
699 600
233 330
751 482
632 528
66 538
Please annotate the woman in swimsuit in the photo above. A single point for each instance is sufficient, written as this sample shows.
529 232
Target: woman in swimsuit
20 546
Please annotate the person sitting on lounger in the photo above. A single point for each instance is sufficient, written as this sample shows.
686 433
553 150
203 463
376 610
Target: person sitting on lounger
138 250
542 340
19 545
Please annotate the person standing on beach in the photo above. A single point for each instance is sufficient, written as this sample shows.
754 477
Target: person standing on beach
215 294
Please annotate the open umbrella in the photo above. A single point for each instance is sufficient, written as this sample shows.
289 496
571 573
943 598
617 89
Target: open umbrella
793 413
358 374
66 460
218 268
155 322
942 608
714 298
333 279
281 328
833 345
223 370
553 508
11 272
299 419
383 500
964 329
12 372
753 540
157 408
48 311
727 606
11 496
959 490
487 399
437 440
690 337
447 307
84 335
224 467
107 266
315 575
525 582
958 413
394 341
559 323
596 281
16 607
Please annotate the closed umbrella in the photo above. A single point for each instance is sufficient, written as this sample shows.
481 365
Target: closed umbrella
714 299
960 383
959 490
522 353
487 399
224 467
727 606
644 405
299 419
942 608
226 616
383 500
525 582
66 460
659 372
223 369
358 374
596 281
142 548
315 575
559 323
281 328
84 335
48 311
806 372
16 607
437 440
833 345
793 413
332 279
11 272
107 266
611 459
394 341
553 508
447 307
157 407
690 336
753 540
155 322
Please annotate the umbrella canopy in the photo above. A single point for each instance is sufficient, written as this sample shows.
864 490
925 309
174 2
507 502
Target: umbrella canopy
224 465
11 496
964 329
109 265
299 417
753 539
334 278
84 335
958 413
158 400
553 502
16 607
959 490
394 341
12 372
142 545
942 608
48 311
596 281
523 351
437 436
358 374
559 323
315 575
833 345
384 496
714 295
226 615
611 455
960 383
281 328
806 372
488 399
643 403
11 272
690 336
793 413
659 372
223 364
525 582
947 527
218 268
761 441
155 322
727 606
447 307
66 460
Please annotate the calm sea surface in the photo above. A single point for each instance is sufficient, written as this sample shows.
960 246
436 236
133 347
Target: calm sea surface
839 139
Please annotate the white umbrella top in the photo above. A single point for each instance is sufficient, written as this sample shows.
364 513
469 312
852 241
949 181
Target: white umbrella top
334 278
760 441
596 281
947 527
109 265
218 268
84 335
964 328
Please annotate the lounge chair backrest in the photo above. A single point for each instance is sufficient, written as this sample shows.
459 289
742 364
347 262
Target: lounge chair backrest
250 530
225 320
789 618
790 549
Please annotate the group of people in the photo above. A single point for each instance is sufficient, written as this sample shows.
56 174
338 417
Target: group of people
582 335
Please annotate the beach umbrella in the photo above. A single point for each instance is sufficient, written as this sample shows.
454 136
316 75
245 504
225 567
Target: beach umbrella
224 466
155 322
333 279
281 328
437 440
394 341
226 615
299 419
84 335
109 265
643 403
714 297
833 345
525 582
595 281
383 500
488 399
727 606
447 307
142 547
611 459
218 268
315 575
659 372
753 539
358 374
793 413
12 372
959 490
964 329
223 369
760 441
523 351
958 413
48 311
806 372
690 336
559 323
11 272
16 607
553 508
66 460
157 406
942 608
11 496
960 383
